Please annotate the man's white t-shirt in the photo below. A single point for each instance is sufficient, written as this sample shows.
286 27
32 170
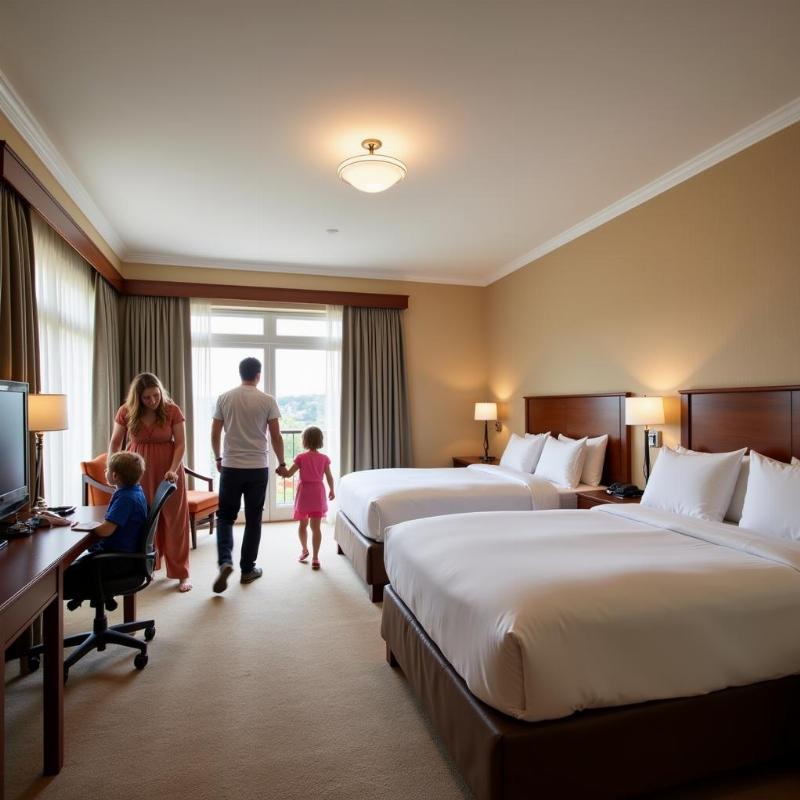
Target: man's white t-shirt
245 412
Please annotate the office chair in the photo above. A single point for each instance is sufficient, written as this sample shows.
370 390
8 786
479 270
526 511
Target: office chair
107 587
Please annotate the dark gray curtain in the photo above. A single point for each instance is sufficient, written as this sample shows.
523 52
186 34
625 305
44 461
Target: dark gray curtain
157 338
375 419
107 392
19 326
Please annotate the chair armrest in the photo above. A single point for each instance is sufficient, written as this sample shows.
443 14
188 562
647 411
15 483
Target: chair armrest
87 481
194 474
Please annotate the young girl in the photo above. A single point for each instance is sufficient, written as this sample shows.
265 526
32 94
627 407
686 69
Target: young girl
309 500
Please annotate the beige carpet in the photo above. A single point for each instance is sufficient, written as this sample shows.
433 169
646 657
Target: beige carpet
275 690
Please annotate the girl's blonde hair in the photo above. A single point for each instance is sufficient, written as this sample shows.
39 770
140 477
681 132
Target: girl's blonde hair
134 406
312 438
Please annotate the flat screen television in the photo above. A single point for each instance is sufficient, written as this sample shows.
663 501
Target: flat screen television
14 490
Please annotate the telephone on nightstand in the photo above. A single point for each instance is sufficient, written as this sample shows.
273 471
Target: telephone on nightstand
624 490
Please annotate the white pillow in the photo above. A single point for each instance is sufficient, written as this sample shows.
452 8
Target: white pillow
795 462
562 462
540 439
595 458
522 454
772 503
696 484
734 512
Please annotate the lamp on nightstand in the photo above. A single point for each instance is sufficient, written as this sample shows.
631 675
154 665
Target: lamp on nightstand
645 411
483 413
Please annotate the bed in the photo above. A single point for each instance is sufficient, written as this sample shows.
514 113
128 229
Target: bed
372 500
635 735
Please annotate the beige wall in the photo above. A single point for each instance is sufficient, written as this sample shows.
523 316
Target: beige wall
446 349
15 141
699 287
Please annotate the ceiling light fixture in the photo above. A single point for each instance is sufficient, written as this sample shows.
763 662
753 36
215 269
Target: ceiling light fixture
372 172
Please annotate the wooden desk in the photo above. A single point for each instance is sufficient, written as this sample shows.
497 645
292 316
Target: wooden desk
32 583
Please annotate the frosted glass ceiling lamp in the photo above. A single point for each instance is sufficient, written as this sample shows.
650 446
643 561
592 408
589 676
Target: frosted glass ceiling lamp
372 172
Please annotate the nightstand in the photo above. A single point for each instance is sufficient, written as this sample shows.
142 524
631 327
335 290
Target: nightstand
600 496
465 461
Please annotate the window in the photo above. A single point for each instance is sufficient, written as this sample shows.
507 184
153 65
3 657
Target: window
299 351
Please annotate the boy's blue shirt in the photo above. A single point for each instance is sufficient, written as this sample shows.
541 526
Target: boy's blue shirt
128 510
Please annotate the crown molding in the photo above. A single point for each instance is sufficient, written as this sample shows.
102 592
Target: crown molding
201 262
772 123
20 116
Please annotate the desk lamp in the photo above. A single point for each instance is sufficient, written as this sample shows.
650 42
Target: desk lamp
645 411
46 412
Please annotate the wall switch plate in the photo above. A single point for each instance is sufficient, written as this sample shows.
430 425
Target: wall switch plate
654 438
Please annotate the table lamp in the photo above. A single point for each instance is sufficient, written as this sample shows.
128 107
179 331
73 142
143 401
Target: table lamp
483 413
46 412
645 411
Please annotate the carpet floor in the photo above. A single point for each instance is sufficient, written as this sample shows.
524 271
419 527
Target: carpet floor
277 690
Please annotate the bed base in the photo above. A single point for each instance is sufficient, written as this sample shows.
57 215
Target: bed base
608 753
365 554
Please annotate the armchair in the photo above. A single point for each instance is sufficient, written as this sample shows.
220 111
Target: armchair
115 575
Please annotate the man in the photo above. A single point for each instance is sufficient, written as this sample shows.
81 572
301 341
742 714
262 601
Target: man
246 414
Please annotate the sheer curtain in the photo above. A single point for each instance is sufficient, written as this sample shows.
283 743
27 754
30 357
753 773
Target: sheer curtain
203 400
65 298
333 396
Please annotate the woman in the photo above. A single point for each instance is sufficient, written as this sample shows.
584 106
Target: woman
155 429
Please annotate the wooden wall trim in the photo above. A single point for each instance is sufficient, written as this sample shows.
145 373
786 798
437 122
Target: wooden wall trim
16 173
213 291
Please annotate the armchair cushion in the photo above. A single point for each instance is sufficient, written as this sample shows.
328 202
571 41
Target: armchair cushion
202 501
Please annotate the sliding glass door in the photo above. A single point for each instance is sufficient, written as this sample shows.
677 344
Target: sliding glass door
295 350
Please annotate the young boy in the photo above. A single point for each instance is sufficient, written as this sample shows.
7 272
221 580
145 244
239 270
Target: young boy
122 529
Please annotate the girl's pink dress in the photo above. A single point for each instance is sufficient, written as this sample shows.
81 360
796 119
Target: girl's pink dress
156 445
311 501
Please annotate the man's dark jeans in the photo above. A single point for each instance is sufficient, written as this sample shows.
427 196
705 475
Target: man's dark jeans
233 483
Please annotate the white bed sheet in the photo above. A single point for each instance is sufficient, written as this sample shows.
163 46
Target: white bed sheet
375 499
546 614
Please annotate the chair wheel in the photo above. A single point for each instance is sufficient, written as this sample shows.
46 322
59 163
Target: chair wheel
149 633
140 662
33 663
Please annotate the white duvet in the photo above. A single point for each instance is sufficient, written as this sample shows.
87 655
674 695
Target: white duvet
375 499
546 614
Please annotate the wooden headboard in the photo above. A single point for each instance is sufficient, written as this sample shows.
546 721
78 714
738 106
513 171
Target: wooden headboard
578 415
765 418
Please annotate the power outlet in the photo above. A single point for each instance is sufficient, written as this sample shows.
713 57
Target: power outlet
654 438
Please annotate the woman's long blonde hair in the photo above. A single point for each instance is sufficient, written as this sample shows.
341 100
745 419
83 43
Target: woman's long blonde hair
133 405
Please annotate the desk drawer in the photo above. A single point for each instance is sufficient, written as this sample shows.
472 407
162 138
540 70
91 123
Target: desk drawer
24 609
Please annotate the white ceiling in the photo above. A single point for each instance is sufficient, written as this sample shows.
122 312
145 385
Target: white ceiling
209 132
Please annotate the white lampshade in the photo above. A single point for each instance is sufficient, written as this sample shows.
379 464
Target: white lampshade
372 172
47 412
644 410
485 411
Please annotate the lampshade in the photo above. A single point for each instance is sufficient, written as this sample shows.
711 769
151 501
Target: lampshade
47 412
372 172
485 411
644 410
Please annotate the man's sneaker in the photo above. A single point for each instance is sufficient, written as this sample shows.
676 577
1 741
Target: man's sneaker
253 575
221 583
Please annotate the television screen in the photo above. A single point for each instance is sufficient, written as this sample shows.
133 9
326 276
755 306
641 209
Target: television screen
13 446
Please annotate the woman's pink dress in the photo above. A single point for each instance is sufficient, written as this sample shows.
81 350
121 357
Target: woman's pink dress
156 445
311 501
